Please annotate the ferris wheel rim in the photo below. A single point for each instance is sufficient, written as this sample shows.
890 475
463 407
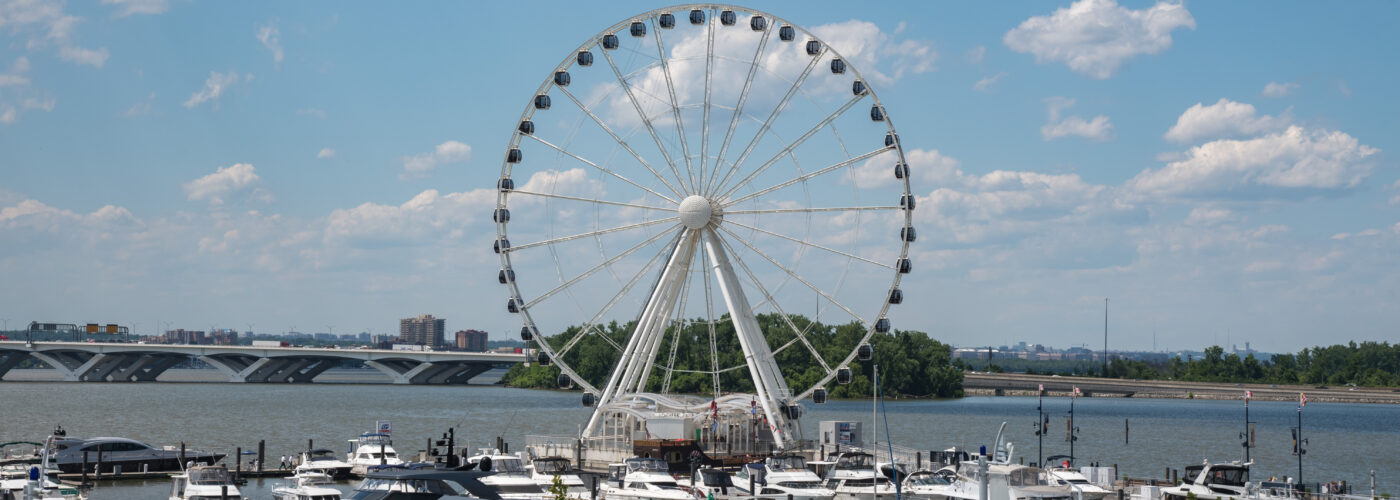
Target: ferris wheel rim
570 61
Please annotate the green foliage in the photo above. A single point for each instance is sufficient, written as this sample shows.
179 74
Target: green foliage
558 489
911 363
1369 364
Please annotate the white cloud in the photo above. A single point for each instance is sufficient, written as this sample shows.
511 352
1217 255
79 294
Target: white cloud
216 188
428 213
270 37
420 165
1294 159
1275 89
985 84
879 56
15 77
1225 118
1099 128
325 153
45 104
8 115
45 24
129 7
1208 216
1395 199
1096 37
925 167
976 55
141 108
214 87
95 58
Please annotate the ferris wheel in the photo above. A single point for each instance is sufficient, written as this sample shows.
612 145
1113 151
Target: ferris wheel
716 196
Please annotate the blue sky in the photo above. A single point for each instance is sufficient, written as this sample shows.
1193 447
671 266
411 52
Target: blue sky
1219 169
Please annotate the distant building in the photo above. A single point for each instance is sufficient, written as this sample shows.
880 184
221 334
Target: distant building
423 330
183 336
471 340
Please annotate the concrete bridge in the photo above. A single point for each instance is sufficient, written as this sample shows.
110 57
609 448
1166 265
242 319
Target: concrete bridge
121 362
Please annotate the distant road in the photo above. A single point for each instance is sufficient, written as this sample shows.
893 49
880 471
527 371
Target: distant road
1016 384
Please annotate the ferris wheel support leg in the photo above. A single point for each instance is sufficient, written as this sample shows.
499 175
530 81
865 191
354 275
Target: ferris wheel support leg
767 378
667 286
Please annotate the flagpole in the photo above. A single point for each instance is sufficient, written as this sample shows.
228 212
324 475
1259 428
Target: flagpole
1302 400
1246 426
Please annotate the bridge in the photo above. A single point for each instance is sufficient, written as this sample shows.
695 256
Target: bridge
127 362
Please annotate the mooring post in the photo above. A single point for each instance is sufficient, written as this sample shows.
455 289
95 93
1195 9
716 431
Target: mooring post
85 467
262 447
223 492
1125 431
99 462
182 455
238 463
593 495
382 459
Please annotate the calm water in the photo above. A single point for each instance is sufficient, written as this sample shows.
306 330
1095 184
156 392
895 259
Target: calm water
1347 441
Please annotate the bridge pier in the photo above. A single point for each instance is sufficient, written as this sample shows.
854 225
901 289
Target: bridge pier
9 360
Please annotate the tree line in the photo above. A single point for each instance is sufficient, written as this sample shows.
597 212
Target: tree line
911 363
1368 364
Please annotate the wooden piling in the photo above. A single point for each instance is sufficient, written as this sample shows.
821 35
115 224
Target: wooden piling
238 463
262 447
85 467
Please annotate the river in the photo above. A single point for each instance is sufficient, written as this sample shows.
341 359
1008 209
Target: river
1346 441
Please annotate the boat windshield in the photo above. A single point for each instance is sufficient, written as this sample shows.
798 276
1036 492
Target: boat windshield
646 464
411 486
665 485
711 477
1024 476
374 439
927 479
552 466
787 463
800 485
507 464
855 461
1228 476
215 476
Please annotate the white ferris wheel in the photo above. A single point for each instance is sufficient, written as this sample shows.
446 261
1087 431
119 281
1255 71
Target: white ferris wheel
683 176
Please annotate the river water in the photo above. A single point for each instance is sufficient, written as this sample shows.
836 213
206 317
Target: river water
1346 441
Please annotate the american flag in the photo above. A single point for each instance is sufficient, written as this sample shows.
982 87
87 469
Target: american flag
1302 400
1248 395
1076 391
1042 389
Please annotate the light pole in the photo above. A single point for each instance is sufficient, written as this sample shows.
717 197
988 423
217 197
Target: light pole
1041 422
1105 338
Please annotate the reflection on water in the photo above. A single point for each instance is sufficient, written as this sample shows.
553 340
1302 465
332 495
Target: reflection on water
1347 441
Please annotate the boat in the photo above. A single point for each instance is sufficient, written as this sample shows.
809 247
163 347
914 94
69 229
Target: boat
713 483
204 482
545 470
1066 475
785 475
421 482
1208 481
35 484
372 448
643 479
927 485
854 477
508 476
324 461
1006 481
307 485
115 455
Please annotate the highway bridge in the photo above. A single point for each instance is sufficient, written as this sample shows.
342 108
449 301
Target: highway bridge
127 362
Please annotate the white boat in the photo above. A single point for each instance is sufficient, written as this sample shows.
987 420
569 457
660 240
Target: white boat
508 476
854 477
783 476
371 449
1226 481
1065 476
643 479
714 483
544 470
307 486
1006 481
323 461
34 483
927 485
204 482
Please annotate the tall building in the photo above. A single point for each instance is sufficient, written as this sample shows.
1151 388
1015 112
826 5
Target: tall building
471 340
423 330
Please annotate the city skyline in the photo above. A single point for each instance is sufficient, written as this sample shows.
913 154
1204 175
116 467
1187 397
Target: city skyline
327 164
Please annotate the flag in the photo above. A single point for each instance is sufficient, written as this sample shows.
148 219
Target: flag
1248 395
1076 391
1302 400
1042 389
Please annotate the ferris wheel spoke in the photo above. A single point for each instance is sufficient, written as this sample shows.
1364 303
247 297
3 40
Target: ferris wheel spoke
790 147
592 233
768 123
794 275
620 141
739 107
675 106
590 200
705 121
631 96
626 288
808 210
810 244
797 332
594 269
710 324
679 325
602 168
833 167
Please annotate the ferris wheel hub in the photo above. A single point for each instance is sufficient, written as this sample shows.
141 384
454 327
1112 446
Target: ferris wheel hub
695 211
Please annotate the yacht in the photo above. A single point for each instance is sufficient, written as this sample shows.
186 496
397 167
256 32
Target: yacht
34 484
854 477
324 461
204 482
307 485
927 485
1006 481
544 470
372 448
714 483
1065 476
508 476
1209 481
785 475
643 479
421 482
114 454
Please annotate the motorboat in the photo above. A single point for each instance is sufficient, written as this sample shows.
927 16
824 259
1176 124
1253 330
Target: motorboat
204 482
421 482
324 461
643 479
927 485
785 475
115 455
545 470
372 448
714 483
855 477
35 484
508 476
1226 481
1006 481
1068 476
307 485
